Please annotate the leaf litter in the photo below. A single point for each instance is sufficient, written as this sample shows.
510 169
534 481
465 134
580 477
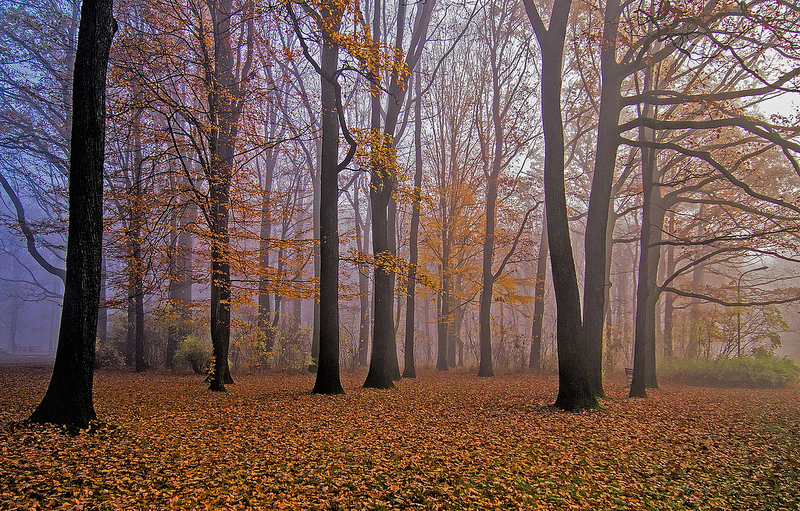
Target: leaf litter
441 441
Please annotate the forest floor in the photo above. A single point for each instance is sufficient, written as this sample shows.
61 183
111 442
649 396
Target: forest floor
441 441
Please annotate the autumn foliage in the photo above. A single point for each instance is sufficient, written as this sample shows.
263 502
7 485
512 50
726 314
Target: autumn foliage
441 441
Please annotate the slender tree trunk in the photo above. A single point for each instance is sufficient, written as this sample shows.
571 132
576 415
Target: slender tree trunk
68 399
225 104
648 265
266 333
458 322
444 309
595 277
327 381
535 361
137 217
180 285
363 286
574 388
316 208
102 312
409 369
669 299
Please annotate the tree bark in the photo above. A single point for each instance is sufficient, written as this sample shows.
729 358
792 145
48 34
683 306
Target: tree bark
595 277
669 299
225 105
535 361
327 381
362 243
644 336
382 201
409 369
68 399
574 388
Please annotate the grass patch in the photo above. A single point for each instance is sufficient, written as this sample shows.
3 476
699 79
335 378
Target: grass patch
745 372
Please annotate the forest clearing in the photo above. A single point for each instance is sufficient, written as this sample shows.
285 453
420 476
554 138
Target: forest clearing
440 441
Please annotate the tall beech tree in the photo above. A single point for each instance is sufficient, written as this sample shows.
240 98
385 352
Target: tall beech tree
501 142
535 359
574 388
383 360
328 20
409 366
68 399
226 86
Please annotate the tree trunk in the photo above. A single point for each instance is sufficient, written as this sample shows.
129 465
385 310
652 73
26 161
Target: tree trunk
535 361
595 277
327 381
102 311
363 286
68 399
137 266
409 367
384 208
380 367
266 333
315 211
669 299
444 310
644 336
574 388
225 97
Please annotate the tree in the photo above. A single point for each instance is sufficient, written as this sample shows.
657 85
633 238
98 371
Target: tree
535 360
574 389
35 112
328 21
501 143
383 361
225 100
68 399
409 366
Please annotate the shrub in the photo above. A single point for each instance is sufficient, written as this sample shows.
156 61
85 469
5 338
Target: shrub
196 353
107 355
761 371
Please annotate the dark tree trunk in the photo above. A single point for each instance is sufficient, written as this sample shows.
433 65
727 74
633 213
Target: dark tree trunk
68 399
225 104
645 295
595 277
574 389
382 200
535 361
137 266
102 311
382 360
410 369
327 381
380 367
488 277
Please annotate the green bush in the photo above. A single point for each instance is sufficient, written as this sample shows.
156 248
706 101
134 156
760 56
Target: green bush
761 371
196 353
107 355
